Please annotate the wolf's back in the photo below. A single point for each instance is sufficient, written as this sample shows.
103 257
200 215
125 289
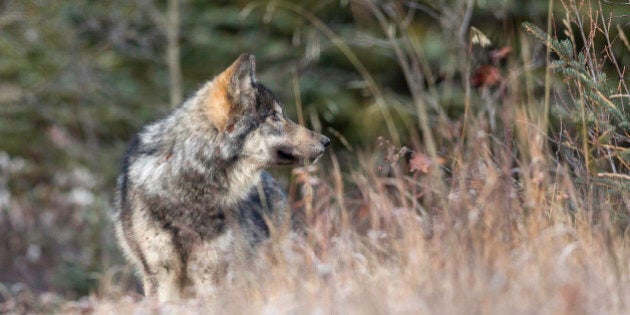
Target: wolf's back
123 216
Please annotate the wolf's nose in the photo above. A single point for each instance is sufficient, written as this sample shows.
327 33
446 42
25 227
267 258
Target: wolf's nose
325 141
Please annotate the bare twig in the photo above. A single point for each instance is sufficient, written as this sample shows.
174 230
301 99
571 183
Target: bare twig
168 23
172 52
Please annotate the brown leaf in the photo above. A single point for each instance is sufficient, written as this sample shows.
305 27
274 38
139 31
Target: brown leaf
486 76
420 162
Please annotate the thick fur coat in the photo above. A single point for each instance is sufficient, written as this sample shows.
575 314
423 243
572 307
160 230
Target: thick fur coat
192 196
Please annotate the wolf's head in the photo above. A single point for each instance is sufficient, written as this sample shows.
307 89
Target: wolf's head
251 123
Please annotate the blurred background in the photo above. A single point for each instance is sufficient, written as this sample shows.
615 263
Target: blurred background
79 78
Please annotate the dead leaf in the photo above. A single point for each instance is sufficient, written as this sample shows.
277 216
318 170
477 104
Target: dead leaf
486 76
420 162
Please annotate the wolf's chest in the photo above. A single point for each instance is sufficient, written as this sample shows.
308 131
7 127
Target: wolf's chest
201 221
190 219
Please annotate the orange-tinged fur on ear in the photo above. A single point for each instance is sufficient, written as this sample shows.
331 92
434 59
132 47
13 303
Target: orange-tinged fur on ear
216 102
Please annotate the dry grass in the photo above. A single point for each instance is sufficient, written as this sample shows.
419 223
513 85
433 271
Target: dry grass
504 214
498 246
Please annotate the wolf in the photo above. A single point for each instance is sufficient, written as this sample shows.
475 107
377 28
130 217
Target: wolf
193 197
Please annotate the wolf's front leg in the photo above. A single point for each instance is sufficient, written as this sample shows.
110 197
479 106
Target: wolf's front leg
164 286
165 283
209 262
164 277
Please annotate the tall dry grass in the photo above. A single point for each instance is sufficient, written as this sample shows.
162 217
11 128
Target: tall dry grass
496 212
500 245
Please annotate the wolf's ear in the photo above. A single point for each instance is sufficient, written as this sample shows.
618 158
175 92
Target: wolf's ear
241 86
231 92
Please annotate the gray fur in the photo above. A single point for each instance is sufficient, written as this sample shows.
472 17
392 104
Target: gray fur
188 196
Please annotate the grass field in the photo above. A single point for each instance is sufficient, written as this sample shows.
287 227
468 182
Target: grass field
519 205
